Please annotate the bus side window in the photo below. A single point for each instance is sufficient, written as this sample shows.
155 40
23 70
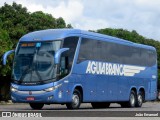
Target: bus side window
71 43
68 56
64 66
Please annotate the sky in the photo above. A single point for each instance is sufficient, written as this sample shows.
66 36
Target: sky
140 15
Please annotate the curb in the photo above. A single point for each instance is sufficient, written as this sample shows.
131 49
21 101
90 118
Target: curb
9 102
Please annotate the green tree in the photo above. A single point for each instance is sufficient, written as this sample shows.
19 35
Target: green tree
60 23
39 21
14 18
5 45
69 26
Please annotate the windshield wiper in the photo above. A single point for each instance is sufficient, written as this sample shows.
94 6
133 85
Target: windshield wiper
27 70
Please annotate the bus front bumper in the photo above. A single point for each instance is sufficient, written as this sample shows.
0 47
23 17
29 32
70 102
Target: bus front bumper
38 97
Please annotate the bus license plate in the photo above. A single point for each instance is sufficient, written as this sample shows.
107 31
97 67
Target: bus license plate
30 98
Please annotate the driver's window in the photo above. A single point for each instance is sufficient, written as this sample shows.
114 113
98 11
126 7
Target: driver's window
68 56
64 67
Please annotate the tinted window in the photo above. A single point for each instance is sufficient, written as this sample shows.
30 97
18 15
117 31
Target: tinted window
68 56
71 43
115 53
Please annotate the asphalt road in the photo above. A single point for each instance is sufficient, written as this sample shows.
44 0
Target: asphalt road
86 110
148 106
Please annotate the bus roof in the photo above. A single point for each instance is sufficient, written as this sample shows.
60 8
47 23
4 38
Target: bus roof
55 34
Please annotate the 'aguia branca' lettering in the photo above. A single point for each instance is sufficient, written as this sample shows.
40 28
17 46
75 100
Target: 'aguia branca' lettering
112 69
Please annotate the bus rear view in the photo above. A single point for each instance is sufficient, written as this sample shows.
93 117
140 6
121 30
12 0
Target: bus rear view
68 66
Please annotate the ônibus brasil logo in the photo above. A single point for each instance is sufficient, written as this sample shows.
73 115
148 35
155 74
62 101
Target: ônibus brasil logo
112 69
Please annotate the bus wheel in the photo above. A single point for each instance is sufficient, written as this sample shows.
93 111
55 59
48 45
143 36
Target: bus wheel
132 99
76 100
36 106
139 100
100 105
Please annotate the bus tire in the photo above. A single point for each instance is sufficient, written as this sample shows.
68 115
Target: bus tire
97 105
36 106
139 100
132 99
76 100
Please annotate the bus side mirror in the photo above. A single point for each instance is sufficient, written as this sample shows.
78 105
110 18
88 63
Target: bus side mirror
58 55
6 54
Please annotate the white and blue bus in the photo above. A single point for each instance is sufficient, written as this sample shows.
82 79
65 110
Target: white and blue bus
70 66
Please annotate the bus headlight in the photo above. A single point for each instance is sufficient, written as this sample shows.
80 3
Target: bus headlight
52 88
13 89
49 89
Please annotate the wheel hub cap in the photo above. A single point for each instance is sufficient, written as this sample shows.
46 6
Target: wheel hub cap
75 100
132 99
140 99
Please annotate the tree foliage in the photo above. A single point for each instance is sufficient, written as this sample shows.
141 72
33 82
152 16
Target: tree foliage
5 45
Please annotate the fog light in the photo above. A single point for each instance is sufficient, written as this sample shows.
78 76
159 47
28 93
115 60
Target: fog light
50 97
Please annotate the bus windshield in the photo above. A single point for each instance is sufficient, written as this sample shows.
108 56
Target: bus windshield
34 62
